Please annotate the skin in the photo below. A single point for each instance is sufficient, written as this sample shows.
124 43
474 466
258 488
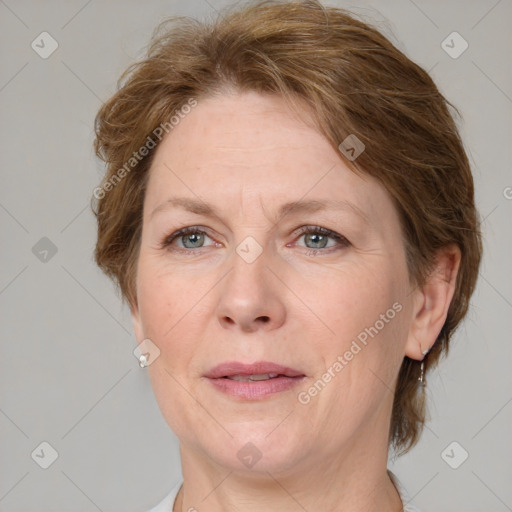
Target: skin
247 154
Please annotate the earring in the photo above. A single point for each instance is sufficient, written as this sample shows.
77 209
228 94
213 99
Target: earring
143 361
421 378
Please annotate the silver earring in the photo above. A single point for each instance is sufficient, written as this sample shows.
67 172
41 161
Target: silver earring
421 378
143 361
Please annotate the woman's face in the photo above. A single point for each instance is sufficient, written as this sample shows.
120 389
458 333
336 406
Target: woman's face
246 285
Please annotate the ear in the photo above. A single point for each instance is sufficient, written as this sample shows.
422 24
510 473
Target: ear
431 303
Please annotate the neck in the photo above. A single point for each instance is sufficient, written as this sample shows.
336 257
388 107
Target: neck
354 480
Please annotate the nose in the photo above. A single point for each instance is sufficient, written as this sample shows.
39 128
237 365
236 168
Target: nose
251 296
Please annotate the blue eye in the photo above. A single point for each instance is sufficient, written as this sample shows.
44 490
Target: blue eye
319 237
192 235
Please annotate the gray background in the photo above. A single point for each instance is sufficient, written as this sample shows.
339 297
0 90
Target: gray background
68 376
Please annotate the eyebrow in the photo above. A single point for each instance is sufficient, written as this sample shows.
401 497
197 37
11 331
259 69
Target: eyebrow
200 207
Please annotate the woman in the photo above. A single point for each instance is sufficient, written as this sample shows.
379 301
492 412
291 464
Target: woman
288 211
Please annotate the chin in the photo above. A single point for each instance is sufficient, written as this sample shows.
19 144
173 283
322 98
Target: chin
257 449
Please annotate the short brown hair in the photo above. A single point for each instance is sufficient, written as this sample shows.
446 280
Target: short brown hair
356 83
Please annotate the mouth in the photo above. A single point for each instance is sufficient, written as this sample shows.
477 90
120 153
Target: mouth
253 381
254 378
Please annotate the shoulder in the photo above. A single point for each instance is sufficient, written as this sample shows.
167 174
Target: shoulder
167 503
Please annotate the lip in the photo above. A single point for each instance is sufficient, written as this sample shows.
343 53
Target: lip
254 390
230 368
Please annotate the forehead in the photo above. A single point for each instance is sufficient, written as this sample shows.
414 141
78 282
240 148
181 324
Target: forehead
248 148
241 127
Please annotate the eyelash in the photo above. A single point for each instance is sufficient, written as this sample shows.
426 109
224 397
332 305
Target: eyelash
306 230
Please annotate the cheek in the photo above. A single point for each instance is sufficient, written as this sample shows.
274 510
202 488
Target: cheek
346 302
359 363
362 328
162 297
165 309
164 306
175 310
